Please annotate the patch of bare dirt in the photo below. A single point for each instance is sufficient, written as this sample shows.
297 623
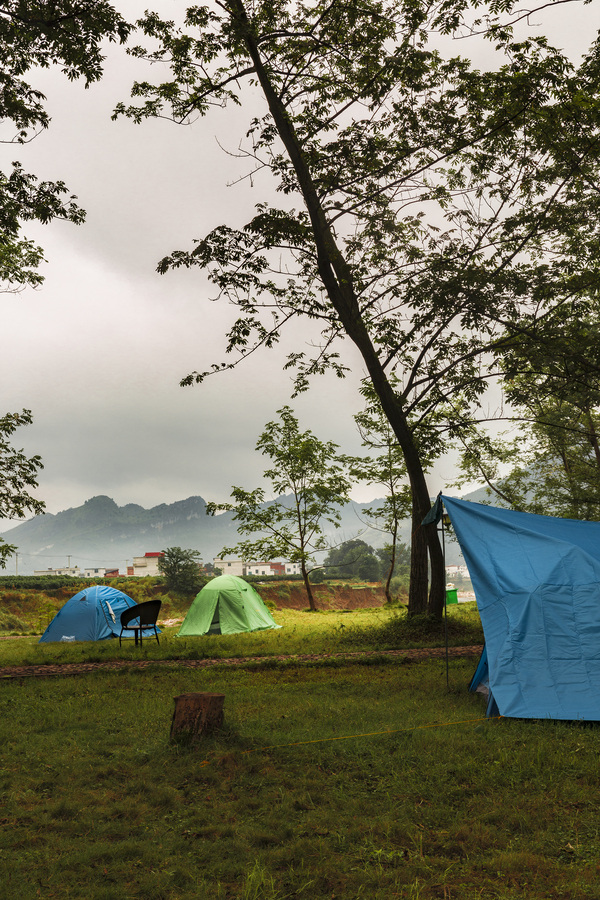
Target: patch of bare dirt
414 655
292 595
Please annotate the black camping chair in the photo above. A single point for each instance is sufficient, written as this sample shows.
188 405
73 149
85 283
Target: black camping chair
142 615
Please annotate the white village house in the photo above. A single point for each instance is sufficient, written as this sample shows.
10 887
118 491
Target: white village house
239 567
146 564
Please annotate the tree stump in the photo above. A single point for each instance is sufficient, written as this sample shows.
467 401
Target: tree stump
196 715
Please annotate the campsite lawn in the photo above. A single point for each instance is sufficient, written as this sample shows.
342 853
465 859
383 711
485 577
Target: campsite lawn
98 805
302 632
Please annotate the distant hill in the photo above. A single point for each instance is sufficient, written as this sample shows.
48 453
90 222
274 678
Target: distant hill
104 534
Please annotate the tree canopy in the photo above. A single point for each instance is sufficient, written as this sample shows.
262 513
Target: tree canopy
40 34
18 475
181 569
430 212
553 453
354 558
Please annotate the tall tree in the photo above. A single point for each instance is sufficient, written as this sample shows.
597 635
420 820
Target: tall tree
441 207
39 34
385 468
18 475
308 474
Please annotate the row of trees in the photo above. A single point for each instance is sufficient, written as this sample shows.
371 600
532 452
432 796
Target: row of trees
357 559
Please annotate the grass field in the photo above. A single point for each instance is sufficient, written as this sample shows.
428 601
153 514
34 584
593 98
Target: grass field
302 632
98 805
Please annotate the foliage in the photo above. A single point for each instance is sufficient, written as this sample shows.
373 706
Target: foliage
181 569
554 392
442 210
269 579
64 33
351 558
312 473
18 474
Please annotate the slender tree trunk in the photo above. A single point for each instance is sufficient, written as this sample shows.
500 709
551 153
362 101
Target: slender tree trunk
308 586
336 276
388 596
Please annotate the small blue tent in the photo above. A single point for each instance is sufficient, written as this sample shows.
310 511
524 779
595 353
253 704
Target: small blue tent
93 614
537 584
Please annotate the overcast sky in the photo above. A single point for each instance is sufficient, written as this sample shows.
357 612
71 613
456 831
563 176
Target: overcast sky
97 353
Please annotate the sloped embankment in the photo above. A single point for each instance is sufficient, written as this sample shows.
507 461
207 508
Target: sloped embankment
292 595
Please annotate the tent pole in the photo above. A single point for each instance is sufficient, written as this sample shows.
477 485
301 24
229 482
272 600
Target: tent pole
445 603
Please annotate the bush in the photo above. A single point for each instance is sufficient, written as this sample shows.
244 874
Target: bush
317 576
399 586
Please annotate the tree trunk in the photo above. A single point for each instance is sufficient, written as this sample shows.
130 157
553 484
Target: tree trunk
308 586
437 593
196 715
336 276
390 574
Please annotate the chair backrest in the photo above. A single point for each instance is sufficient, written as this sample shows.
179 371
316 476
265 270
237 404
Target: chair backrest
146 613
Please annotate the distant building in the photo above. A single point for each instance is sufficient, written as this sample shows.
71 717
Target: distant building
457 570
230 566
259 568
111 573
73 571
239 567
146 564
94 573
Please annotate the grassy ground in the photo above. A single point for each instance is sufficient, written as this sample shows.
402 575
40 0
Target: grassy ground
98 805
302 632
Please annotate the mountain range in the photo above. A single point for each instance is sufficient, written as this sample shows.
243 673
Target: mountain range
101 533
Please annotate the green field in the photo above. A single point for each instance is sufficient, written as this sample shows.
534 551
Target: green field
301 633
98 805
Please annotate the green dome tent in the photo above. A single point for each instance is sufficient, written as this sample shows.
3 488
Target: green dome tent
226 605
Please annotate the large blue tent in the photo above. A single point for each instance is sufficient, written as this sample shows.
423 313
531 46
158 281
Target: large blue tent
537 584
93 614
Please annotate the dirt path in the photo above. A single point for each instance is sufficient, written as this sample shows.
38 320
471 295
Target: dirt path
11 672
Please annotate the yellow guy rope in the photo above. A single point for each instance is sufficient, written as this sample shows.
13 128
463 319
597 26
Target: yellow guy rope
347 737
